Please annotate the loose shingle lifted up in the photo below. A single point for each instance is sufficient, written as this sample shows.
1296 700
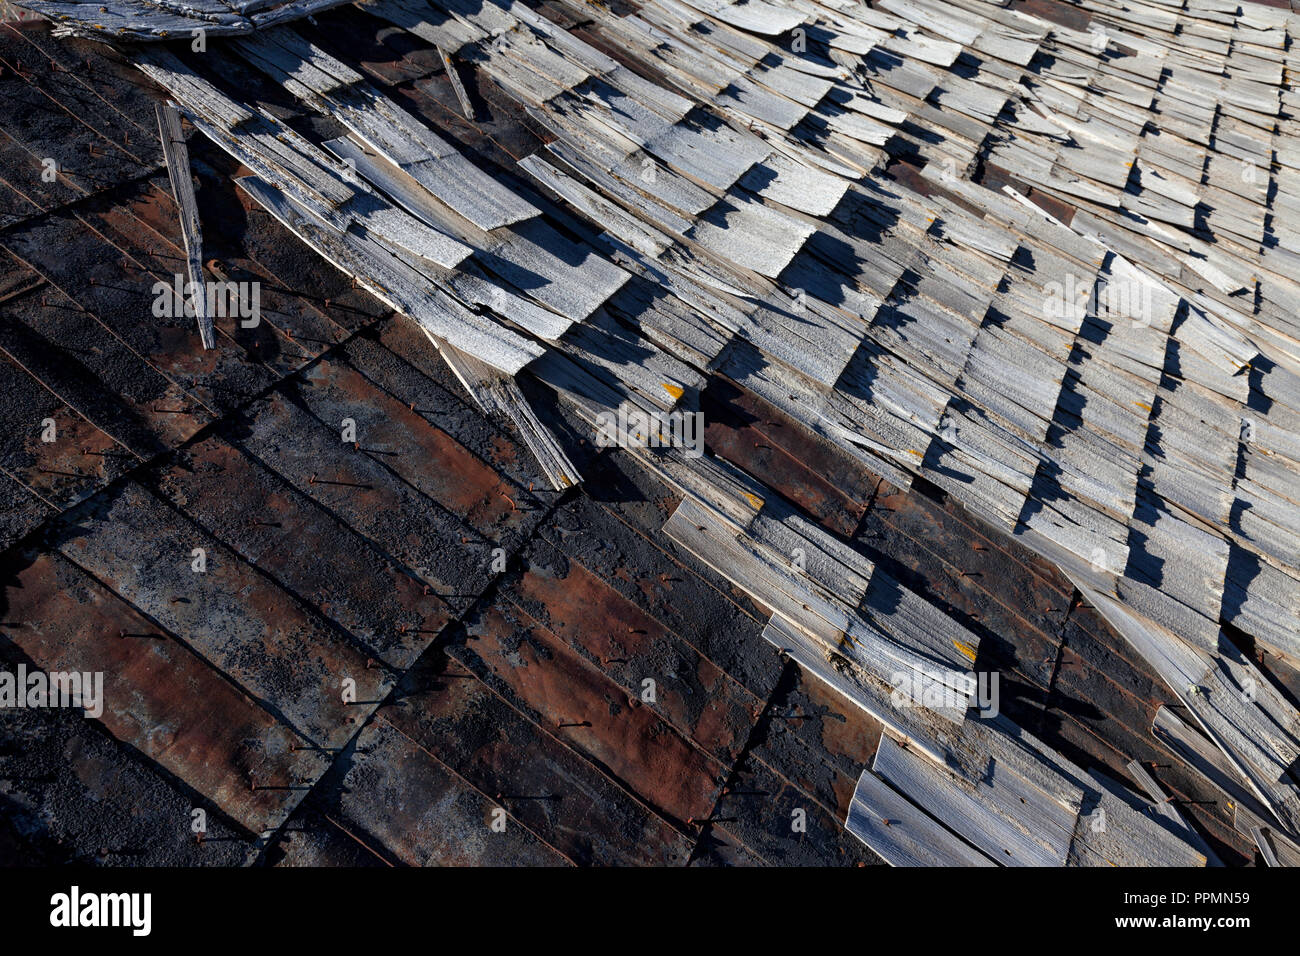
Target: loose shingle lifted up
1031 259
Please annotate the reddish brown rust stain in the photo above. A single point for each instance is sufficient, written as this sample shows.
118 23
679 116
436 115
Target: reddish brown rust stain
158 696
593 714
582 609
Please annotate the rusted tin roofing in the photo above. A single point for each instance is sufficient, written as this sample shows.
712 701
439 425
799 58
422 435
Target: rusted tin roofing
889 405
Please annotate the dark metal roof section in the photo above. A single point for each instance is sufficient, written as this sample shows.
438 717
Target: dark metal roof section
713 433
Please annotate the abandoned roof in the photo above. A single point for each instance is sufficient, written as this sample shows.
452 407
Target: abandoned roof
961 334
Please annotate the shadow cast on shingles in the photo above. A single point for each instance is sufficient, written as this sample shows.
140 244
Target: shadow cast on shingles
826 264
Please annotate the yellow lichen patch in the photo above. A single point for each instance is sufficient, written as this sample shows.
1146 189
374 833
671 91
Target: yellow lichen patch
1143 405
754 500
965 650
674 390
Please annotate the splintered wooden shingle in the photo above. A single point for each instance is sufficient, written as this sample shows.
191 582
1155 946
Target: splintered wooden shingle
901 832
178 170
400 286
1002 815
500 396
389 131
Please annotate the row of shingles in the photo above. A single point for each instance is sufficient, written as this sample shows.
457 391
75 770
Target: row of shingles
147 256
1065 675
724 643
503 719
1016 603
638 749
387 535
85 117
946 557
816 739
753 818
1102 699
88 119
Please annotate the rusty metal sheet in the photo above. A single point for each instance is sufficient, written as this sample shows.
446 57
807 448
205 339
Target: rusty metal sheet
780 823
74 794
630 647
20 510
432 542
620 542
817 739
239 619
93 371
69 369
305 549
781 453
160 697
549 682
144 223
100 278
421 454
563 798
443 403
77 459
400 796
